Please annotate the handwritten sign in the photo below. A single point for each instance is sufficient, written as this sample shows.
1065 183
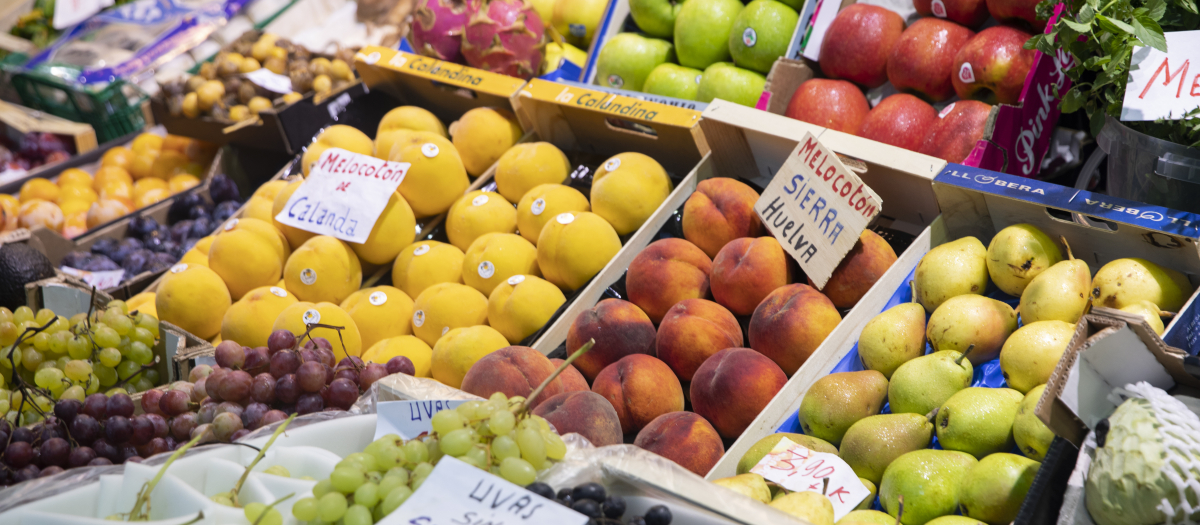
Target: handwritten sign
817 208
1164 85
798 469
70 12
410 419
101 280
456 493
270 80
344 194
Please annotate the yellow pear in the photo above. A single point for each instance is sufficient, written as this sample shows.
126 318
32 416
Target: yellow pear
808 506
1149 311
1017 254
951 269
1123 282
750 485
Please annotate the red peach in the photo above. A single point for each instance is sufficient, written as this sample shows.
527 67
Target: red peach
666 272
721 210
733 386
619 327
693 330
640 388
791 323
585 413
685 438
746 271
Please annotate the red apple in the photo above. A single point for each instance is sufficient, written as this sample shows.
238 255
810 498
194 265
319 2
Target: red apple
901 120
993 65
922 61
970 13
858 43
955 134
833 104
1014 10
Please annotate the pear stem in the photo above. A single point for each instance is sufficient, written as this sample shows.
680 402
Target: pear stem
900 508
932 416
538 391
1168 315
1070 256
964 354
912 286
824 486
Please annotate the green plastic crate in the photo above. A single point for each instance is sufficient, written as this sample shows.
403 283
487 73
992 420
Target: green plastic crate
114 110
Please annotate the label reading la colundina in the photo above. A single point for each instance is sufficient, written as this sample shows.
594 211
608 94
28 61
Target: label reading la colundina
344 195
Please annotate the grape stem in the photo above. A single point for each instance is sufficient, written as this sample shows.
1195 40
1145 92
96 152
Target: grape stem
308 333
143 499
262 452
271 506
538 391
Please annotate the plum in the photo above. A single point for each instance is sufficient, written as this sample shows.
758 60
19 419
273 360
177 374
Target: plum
222 188
105 246
180 230
99 263
137 261
125 247
160 262
75 259
140 226
224 211
200 228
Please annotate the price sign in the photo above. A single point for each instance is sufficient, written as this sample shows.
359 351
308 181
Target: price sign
409 419
798 469
456 493
344 194
1164 85
270 80
101 280
817 208
70 12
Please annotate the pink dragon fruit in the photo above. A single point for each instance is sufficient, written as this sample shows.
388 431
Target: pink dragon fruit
437 27
506 37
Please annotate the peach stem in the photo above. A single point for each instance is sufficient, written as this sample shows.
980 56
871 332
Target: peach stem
538 391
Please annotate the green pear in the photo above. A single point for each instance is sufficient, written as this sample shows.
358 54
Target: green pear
923 384
954 520
971 320
866 503
892 338
928 480
1019 253
874 442
954 268
1149 311
994 489
867 516
764 446
1032 352
837 401
1123 282
750 485
1058 294
1032 436
808 506
978 420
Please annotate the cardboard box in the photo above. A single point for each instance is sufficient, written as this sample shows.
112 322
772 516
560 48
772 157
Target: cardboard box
19 120
979 203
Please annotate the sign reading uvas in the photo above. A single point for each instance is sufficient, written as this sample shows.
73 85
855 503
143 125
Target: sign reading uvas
344 194
817 208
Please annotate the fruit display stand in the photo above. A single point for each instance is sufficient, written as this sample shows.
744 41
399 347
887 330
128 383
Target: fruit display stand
979 203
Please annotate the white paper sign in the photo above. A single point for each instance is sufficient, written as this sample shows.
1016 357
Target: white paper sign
70 12
410 419
101 280
798 469
344 195
456 493
1164 85
270 81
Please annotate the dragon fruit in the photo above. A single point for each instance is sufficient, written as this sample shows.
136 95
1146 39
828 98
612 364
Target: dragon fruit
506 37
438 25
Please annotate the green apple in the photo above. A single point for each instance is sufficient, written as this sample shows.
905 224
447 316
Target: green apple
628 58
761 34
655 17
729 82
702 31
576 20
673 80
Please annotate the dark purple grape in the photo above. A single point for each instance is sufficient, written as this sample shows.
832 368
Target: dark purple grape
23 435
138 261
262 389
253 414
181 230
18 454
351 362
200 211
614 507
171 443
100 462
586 507
117 430
311 376
238 435
206 413
106 246
284 363
80 457
401 365
127 451
273 416
96 405
229 406
150 401
153 243
37 456
236 387
328 374
372 373
214 383
155 446
50 471
222 188
592 491
308 355
105 449
49 429
126 248
3 441
327 357
134 459
120 405
224 211
348 374
100 263
229 354
309 403
200 228
28 473
138 227
84 429
287 390
279 340
66 409
343 393
55 451
319 342
182 425
141 430
174 402
541 489
658 515
255 360
160 425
